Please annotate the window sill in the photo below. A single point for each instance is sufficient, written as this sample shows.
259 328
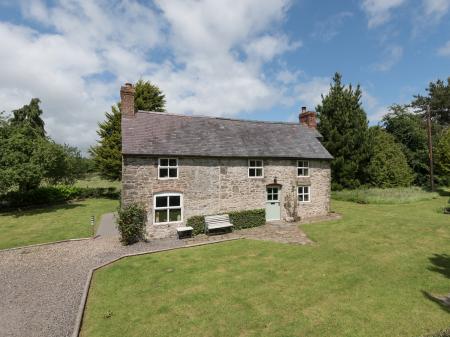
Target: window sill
167 223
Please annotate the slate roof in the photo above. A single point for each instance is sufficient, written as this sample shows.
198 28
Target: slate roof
156 133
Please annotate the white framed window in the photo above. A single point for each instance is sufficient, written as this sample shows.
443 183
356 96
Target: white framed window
303 168
304 193
255 168
168 207
167 168
272 194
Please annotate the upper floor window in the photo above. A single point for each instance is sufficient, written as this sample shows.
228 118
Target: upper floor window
303 168
167 168
255 168
168 207
304 193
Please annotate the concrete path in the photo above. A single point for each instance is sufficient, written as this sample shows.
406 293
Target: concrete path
107 225
41 287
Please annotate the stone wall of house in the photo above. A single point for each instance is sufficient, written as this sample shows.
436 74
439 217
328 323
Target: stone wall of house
217 185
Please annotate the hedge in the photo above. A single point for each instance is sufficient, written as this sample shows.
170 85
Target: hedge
54 194
240 220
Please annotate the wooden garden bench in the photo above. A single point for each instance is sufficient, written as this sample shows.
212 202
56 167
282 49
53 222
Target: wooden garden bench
217 222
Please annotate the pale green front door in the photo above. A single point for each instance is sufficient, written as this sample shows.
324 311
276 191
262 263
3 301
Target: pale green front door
273 204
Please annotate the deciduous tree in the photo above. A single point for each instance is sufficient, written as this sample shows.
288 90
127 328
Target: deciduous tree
388 166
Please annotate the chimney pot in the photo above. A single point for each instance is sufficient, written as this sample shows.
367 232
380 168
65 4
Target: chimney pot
127 100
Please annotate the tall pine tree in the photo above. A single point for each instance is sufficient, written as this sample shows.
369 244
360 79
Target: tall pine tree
344 127
107 154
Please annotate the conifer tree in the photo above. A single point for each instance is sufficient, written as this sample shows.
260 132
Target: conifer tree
344 127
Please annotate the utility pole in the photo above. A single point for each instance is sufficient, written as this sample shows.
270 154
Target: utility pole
430 147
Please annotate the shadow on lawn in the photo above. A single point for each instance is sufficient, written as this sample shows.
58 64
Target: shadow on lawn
41 209
441 265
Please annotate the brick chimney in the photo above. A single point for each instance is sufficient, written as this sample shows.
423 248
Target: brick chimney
127 100
308 118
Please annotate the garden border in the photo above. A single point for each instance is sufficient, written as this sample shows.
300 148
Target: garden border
87 285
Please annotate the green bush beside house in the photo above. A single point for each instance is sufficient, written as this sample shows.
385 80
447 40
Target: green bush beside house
131 223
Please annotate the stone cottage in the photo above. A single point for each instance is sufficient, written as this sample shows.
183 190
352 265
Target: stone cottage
179 166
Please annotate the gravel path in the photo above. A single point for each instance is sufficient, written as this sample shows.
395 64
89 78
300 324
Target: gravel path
41 287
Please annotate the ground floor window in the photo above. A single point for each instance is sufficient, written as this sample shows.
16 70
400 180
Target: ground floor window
168 207
303 193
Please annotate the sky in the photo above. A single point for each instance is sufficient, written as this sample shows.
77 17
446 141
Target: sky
252 59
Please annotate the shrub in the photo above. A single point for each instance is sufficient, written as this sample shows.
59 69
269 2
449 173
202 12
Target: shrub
131 223
54 194
198 223
240 220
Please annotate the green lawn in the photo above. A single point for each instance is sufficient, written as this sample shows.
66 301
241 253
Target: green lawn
51 223
365 276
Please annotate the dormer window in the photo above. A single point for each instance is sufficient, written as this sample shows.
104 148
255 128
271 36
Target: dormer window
303 168
255 168
167 168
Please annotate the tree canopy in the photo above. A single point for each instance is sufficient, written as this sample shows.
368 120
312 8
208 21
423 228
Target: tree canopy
408 129
442 158
344 127
30 115
28 156
148 97
107 153
438 99
388 166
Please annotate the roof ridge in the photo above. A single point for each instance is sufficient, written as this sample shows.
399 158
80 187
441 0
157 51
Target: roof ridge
219 118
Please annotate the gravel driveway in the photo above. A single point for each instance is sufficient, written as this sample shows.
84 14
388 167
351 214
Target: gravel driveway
41 287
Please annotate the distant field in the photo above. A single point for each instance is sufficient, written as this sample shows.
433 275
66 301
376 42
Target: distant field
95 181
401 195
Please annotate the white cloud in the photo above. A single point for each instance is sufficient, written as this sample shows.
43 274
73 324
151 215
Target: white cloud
374 109
215 57
380 11
391 56
309 92
222 47
266 47
436 9
445 49
327 29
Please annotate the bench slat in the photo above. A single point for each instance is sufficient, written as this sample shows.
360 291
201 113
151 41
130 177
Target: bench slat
184 229
217 221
